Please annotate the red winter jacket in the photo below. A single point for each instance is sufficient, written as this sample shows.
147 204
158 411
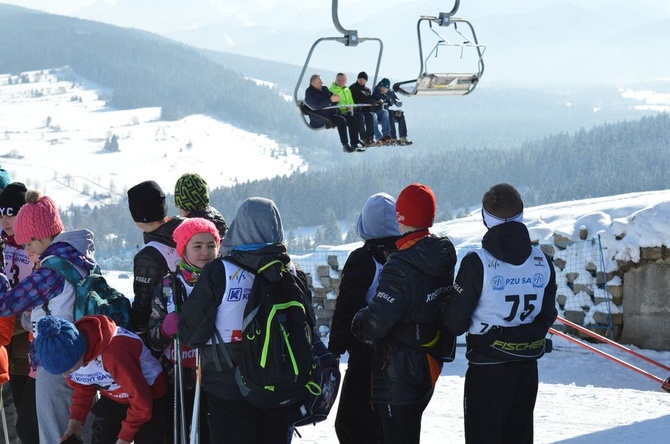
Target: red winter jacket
125 358
6 332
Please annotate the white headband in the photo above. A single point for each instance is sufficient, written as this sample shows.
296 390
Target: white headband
491 221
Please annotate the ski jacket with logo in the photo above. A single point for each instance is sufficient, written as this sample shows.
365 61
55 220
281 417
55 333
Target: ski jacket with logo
119 366
149 267
358 285
403 316
504 297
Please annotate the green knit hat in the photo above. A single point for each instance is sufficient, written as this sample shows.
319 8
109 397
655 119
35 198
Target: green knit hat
191 192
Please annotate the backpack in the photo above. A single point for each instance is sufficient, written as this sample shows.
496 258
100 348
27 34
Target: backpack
275 365
94 296
326 375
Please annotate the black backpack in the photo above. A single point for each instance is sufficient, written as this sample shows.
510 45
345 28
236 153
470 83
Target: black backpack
276 364
326 375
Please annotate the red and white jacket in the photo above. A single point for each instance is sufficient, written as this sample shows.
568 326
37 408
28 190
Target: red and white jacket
117 363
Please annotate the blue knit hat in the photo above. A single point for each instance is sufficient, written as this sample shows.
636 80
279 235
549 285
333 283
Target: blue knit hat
5 178
386 83
58 345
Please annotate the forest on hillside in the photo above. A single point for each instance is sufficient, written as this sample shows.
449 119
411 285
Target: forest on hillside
140 69
610 159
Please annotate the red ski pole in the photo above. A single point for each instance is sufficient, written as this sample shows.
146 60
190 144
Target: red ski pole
665 384
610 342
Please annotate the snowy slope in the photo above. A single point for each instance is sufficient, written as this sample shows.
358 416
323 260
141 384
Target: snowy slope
52 134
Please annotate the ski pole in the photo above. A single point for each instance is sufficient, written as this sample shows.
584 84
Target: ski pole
176 298
175 403
4 418
665 384
195 418
182 409
613 343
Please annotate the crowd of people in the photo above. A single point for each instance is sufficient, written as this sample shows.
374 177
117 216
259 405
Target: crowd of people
400 307
357 112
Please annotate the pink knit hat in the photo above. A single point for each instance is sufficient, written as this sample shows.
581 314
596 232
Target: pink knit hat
37 219
190 227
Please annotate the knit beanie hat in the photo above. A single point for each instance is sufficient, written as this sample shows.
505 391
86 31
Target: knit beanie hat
191 192
362 75
377 220
190 227
386 83
37 219
257 223
416 206
58 344
12 198
5 178
146 202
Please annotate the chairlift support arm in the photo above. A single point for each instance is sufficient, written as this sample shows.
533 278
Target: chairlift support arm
444 83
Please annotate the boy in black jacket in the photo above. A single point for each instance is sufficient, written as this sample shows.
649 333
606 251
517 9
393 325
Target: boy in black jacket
504 298
148 209
358 421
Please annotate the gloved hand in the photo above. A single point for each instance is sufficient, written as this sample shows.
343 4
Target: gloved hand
170 324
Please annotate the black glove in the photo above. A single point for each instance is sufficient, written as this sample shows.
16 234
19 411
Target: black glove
548 345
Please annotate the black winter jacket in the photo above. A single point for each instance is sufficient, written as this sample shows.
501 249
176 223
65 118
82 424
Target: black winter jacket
357 278
149 267
318 99
510 243
404 314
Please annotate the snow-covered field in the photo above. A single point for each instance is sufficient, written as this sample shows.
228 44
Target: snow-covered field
52 133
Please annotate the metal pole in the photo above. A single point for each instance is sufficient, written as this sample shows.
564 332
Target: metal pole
610 342
664 383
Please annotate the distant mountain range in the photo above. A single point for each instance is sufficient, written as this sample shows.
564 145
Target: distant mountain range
528 42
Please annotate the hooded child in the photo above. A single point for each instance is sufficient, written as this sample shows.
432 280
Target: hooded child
215 308
358 420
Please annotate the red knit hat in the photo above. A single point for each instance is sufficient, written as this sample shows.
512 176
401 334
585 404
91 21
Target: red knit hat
189 228
416 206
37 219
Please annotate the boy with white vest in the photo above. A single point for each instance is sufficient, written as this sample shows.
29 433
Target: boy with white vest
504 298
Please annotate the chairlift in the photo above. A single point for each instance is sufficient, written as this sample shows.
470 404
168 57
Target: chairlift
454 83
349 38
